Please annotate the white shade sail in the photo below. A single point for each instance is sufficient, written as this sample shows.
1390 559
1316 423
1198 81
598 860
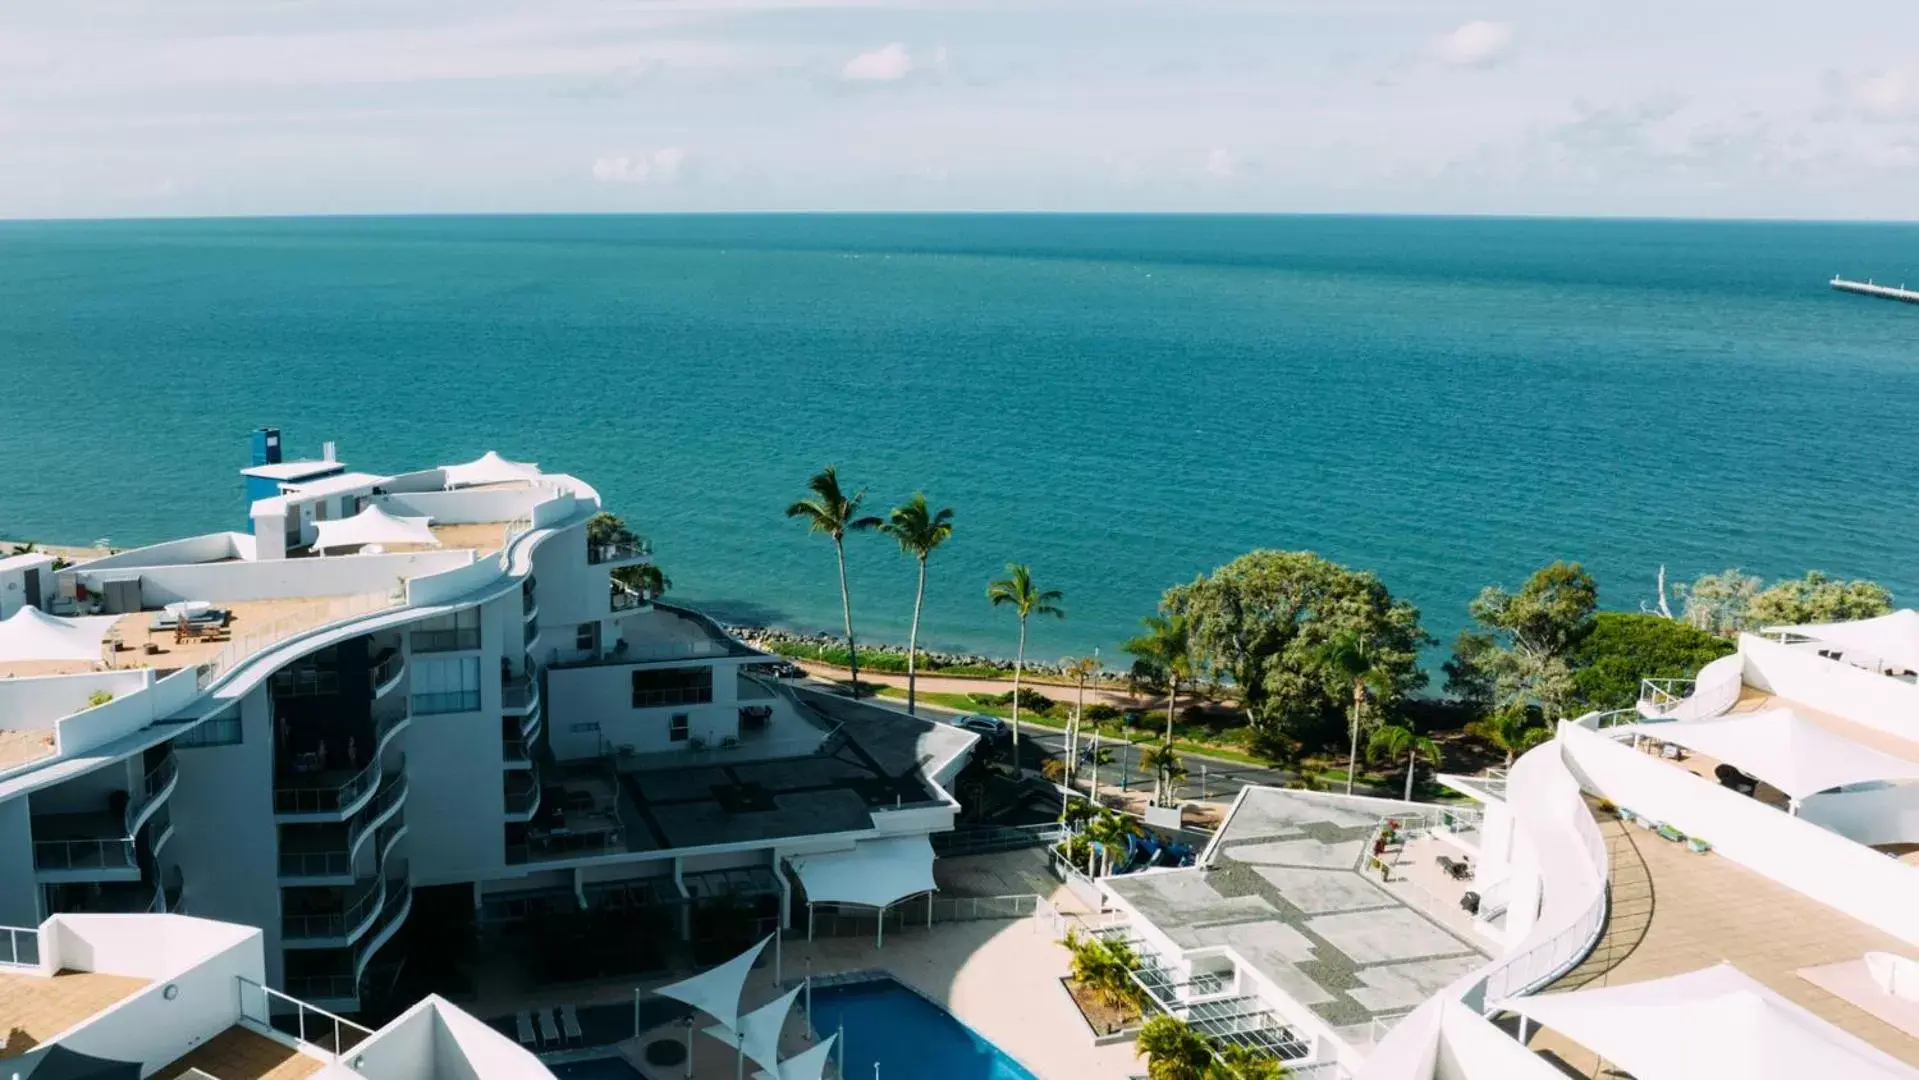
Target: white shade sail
1891 641
716 992
488 468
1711 1022
807 1065
758 1034
876 873
32 634
1787 751
373 526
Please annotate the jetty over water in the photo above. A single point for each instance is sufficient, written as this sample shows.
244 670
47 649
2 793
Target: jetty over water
1868 288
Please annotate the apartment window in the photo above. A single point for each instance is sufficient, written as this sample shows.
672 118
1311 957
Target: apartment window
680 728
672 686
446 686
586 636
219 731
448 633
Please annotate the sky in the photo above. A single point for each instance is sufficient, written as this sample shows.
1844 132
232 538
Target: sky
1696 108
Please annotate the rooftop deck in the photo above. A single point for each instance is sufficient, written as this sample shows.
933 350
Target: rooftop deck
485 538
20 747
239 1054
1289 893
35 1008
255 623
1675 911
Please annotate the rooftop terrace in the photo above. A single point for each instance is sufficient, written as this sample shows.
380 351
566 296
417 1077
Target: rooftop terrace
35 1008
20 747
240 1054
1287 892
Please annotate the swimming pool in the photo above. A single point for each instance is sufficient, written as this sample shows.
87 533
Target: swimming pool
607 1068
908 1036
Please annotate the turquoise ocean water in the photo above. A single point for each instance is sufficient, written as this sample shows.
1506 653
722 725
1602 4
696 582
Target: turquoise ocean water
1121 402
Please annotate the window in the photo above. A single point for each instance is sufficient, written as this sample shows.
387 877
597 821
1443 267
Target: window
672 686
681 727
585 637
219 731
446 686
449 633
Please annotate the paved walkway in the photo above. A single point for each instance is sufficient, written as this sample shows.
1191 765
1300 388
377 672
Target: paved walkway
1676 911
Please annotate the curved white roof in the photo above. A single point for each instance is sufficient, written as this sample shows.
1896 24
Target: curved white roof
32 634
488 468
1787 751
807 1065
1892 639
373 526
759 1033
877 873
1713 1022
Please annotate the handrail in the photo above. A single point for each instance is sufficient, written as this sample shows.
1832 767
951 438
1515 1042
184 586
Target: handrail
19 946
112 854
331 1035
617 550
335 799
312 617
349 922
154 786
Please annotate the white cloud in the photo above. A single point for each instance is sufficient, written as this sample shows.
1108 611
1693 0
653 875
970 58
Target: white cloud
1886 95
1222 164
660 166
888 63
1476 44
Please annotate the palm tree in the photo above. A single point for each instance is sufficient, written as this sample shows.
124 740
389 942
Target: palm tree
646 579
1079 669
1172 1049
1351 657
1165 650
832 512
919 530
1109 831
1026 599
1166 771
1235 1062
1393 742
1513 731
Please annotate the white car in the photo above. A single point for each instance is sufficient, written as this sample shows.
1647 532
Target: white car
990 728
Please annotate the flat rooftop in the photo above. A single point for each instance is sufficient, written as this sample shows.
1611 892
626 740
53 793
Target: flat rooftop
42 1006
876 761
252 622
20 747
1674 911
239 1054
1287 892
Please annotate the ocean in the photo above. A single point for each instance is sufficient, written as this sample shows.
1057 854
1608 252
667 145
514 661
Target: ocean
1122 402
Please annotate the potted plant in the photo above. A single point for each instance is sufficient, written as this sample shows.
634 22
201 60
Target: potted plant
1698 846
1669 833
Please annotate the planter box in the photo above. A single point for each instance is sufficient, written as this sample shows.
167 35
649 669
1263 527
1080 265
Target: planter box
1670 833
1698 845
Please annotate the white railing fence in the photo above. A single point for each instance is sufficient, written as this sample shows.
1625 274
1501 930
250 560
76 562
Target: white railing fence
331 1035
19 946
310 617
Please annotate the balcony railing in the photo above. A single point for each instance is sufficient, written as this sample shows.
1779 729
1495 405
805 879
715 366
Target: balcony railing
388 671
339 862
462 640
619 550
327 799
451 701
518 692
115 854
357 909
513 750
315 864
311 617
153 786
19 946
523 792
305 682
624 599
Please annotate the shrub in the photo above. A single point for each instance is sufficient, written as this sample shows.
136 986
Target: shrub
1102 713
99 697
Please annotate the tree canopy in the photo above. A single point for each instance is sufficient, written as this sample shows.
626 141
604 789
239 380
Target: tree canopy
1265 620
1625 647
1817 598
1521 660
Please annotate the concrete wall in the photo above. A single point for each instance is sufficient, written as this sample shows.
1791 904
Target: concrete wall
464 507
402 1050
456 802
186 551
83 731
13 582
1863 697
603 695
224 840
148 1027
1837 872
19 892
90 792
455 582
35 704
279 579
1885 815
570 591
1471 1048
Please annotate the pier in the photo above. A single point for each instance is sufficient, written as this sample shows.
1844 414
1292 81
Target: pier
1867 288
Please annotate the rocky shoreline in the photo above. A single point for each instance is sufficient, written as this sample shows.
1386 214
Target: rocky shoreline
932 660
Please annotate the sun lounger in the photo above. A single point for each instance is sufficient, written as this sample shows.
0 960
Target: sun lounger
549 1032
524 1022
570 1023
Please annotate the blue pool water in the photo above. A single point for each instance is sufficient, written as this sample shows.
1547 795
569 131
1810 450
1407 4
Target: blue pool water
608 1068
907 1035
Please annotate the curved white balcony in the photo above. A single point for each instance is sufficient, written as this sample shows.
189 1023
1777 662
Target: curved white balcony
387 676
393 916
339 799
519 695
330 929
523 794
530 723
334 865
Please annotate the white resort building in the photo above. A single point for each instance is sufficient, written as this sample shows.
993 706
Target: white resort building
417 693
1719 882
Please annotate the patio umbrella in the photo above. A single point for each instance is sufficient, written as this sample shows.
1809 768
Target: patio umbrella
56 1062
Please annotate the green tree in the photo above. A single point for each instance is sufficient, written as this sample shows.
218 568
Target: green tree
1235 1062
645 579
1817 598
919 530
1172 1049
1016 590
1392 742
1718 603
1521 660
1625 648
1165 651
1264 620
1079 669
1105 966
1515 731
607 528
831 511
1167 768
1354 660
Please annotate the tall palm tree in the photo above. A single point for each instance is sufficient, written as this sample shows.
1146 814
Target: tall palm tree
1172 1049
919 530
1352 657
1079 669
1016 590
1167 770
1514 731
833 512
1393 742
1166 649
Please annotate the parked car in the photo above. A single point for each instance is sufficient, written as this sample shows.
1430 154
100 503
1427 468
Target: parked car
989 728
